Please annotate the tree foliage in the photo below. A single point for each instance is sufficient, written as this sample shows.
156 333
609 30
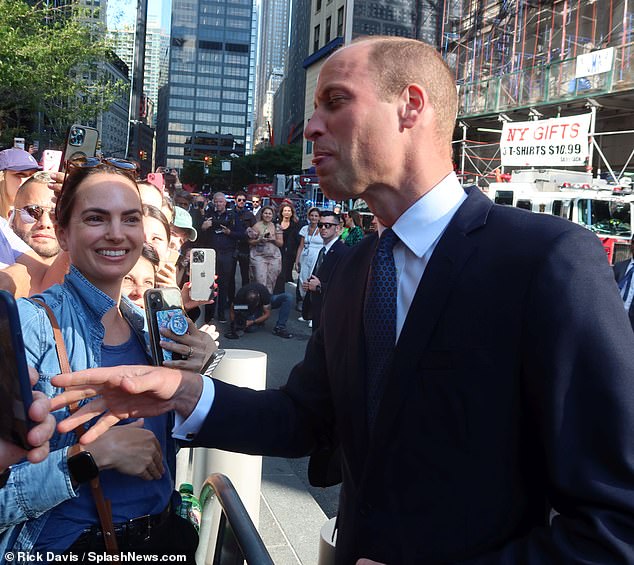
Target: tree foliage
257 167
49 70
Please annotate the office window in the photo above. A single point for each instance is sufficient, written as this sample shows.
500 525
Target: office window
340 22
316 39
328 26
317 5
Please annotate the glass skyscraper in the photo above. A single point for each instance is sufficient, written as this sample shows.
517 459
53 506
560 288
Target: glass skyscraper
205 109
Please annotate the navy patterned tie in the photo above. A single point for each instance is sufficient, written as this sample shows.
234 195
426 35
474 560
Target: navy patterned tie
625 283
379 320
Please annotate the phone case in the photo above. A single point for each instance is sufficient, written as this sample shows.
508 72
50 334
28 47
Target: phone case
16 396
164 309
81 141
202 270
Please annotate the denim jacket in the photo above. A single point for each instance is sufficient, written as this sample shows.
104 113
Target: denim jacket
33 490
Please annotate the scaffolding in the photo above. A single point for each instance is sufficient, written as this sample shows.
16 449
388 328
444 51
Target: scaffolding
514 53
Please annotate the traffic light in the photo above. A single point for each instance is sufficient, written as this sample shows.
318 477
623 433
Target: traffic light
142 155
207 159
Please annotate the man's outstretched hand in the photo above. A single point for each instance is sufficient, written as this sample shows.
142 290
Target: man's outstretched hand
125 392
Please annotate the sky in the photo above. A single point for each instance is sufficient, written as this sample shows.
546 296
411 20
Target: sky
122 13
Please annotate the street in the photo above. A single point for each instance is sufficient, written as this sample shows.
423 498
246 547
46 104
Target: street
282 355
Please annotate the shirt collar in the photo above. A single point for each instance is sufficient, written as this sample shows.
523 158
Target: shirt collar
425 220
330 244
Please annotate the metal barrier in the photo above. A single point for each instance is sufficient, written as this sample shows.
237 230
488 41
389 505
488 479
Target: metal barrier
237 540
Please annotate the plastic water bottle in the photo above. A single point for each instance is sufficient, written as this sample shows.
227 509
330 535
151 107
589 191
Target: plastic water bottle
190 506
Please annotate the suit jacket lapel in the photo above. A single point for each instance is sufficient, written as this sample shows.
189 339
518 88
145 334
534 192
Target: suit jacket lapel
452 252
354 276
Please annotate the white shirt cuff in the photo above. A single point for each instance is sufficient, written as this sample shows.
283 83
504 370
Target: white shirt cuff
186 430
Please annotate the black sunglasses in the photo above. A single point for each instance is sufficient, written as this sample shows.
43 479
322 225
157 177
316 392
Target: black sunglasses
240 199
326 225
33 213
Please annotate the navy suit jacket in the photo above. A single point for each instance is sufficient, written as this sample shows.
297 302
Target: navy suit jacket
620 269
337 250
511 394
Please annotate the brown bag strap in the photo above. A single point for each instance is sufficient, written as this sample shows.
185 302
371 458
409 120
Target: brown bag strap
104 509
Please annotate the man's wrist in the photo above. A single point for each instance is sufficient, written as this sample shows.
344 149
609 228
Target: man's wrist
188 393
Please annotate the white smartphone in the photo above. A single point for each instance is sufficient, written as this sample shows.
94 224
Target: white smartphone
202 270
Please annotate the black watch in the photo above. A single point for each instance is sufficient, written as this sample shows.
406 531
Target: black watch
82 467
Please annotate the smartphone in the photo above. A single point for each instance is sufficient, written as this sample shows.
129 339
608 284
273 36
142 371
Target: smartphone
52 160
213 361
173 256
81 141
202 270
157 180
164 309
15 386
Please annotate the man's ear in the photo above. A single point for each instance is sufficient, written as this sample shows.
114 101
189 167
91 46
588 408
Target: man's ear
414 102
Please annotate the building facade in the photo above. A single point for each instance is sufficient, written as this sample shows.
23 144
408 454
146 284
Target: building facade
156 58
207 96
334 23
518 61
113 123
288 115
272 56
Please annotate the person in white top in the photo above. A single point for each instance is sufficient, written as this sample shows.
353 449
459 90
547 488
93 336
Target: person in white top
310 243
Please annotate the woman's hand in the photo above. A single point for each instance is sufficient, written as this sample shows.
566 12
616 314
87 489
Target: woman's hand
189 303
38 436
129 449
197 346
166 275
57 180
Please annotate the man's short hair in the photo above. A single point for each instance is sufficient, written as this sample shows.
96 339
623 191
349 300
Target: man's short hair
182 194
397 62
41 177
328 213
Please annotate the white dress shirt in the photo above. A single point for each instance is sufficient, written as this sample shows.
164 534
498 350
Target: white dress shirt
419 228
627 300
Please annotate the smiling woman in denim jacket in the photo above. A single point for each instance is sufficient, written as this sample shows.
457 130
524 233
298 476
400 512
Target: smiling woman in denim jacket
48 507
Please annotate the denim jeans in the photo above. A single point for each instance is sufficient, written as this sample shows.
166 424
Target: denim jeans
284 302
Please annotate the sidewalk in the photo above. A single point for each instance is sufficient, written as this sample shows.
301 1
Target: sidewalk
290 519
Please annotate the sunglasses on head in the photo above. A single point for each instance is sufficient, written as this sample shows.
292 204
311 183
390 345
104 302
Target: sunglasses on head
33 213
326 225
92 162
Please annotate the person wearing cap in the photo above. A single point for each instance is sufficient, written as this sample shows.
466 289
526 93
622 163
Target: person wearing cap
16 165
182 228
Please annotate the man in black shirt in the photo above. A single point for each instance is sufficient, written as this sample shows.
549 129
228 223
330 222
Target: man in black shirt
252 307
221 232
245 219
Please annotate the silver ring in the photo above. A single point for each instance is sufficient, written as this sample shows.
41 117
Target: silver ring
190 352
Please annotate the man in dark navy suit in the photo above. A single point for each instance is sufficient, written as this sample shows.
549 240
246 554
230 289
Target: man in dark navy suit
623 273
473 364
332 250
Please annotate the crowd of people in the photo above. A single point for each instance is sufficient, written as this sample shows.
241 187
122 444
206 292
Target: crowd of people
79 250
468 380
